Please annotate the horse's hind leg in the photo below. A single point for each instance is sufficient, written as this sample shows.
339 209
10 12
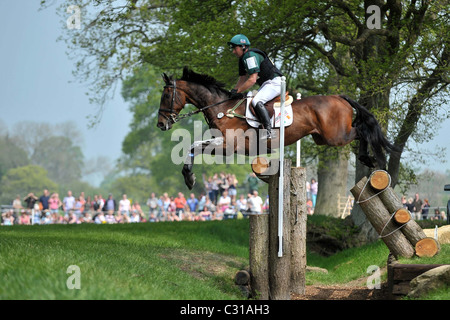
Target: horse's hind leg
196 148
363 154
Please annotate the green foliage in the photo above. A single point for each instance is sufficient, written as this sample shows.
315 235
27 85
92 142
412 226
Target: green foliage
23 180
11 156
62 160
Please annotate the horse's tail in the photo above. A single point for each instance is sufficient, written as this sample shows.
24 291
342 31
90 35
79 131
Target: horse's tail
368 128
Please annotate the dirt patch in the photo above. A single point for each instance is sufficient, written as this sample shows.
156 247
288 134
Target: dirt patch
319 292
202 265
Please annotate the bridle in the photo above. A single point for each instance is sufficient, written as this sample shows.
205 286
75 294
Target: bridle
173 116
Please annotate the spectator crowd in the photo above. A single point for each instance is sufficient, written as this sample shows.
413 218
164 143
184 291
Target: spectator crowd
420 210
219 201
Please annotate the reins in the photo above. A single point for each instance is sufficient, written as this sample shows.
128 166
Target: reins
177 117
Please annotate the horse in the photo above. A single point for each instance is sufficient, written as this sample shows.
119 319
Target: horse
328 119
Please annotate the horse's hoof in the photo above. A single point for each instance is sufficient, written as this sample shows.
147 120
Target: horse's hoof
190 181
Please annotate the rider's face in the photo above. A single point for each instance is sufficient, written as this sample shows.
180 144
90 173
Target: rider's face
238 51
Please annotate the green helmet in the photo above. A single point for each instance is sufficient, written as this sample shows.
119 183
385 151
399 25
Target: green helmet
239 40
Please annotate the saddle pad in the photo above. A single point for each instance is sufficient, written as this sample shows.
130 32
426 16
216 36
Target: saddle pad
254 121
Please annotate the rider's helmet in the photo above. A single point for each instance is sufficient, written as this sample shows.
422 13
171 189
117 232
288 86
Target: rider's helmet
239 40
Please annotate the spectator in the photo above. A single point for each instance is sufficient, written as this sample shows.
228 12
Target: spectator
30 200
100 218
101 203
425 209
417 207
152 204
205 214
68 202
255 203
110 204
232 182
43 200
24 218
180 204
309 207
134 218
54 203
241 204
109 218
78 209
7 218
71 217
314 189
224 201
136 207
253 182
125 205
410 206
192 203
215 188
265 206
17 205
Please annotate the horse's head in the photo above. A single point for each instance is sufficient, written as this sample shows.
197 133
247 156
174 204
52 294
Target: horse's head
172 102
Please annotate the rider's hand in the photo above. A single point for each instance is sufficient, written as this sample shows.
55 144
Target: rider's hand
235 94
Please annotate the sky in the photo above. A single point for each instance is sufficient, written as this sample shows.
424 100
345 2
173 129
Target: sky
36 84
36 81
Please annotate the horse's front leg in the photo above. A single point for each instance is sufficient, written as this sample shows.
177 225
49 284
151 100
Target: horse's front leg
196 148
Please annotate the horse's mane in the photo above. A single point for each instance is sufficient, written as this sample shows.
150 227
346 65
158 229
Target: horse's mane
205 80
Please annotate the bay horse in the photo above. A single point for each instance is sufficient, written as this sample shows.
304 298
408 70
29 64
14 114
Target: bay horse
329 119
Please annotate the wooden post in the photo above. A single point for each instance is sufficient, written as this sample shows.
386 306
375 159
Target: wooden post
298 217
279 267
259 256
379 217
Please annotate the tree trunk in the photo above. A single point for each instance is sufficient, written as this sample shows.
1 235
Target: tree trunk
332 178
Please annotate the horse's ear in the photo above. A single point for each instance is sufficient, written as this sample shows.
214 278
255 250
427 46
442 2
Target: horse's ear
166 79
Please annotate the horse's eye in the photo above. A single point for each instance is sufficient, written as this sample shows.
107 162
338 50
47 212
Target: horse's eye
166 96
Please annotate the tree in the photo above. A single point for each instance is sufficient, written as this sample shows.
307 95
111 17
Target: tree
23 180
62 160
11 156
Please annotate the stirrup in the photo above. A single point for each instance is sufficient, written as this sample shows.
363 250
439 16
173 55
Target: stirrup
271 134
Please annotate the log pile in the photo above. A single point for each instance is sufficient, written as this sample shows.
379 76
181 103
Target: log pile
383 208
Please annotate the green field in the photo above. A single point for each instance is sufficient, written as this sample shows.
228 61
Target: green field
174 260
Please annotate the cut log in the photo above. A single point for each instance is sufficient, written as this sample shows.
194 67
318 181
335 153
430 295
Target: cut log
427 247
379 217
412 231
402 216
260 165
380 180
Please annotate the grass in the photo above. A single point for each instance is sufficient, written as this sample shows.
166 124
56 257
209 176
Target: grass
132 261
176 260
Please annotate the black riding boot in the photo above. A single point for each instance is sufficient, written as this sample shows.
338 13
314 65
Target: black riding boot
263 115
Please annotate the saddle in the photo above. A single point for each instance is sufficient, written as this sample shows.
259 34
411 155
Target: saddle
275 102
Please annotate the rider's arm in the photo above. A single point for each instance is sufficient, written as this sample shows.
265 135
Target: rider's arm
246 83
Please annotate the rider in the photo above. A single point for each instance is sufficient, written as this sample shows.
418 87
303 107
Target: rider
256 67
